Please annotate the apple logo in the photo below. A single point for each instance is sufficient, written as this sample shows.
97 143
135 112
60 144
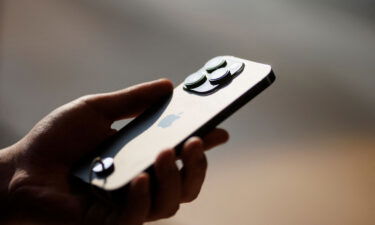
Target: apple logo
168 120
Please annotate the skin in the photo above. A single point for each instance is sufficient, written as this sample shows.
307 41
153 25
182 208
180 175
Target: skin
37 186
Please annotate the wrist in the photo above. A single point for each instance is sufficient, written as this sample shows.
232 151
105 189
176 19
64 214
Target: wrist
7 170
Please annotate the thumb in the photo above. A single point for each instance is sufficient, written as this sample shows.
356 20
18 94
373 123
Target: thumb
74 126
129 102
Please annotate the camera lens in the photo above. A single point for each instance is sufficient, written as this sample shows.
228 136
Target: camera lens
215 63
219 76
104 167
236 68
195 79
205 88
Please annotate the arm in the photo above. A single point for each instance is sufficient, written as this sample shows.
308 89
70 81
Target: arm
7 171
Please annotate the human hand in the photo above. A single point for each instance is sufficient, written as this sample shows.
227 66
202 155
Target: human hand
39 183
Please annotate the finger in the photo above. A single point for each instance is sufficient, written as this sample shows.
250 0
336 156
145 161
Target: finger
138 202
97 214
130 101
194 169
214 138
168 186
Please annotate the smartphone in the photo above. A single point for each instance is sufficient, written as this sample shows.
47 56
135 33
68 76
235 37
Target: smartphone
203 100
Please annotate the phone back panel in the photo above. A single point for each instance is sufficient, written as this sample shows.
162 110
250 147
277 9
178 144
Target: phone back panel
168 125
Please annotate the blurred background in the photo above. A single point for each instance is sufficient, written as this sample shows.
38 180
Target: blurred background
303 152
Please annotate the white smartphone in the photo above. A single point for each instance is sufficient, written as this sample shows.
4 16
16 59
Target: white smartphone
203 100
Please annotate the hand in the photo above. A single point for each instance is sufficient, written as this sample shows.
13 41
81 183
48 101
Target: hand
40 187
